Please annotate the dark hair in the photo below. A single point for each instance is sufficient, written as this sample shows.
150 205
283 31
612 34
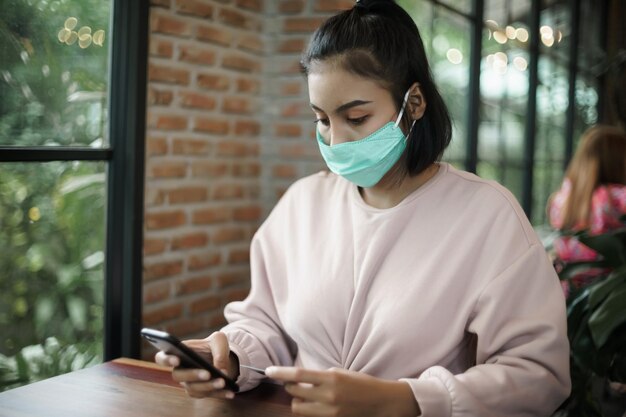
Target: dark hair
377 39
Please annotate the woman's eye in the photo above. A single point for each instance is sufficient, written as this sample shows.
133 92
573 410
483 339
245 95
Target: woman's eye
323 121
357 120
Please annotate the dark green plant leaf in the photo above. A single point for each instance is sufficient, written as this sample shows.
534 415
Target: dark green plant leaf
602 288
608 316
612 246
576 310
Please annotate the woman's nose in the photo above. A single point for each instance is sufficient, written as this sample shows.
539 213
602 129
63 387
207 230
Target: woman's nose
336 136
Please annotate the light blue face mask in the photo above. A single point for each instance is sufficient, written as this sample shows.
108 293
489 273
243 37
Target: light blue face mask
364 162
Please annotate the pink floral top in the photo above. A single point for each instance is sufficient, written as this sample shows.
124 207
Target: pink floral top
608 204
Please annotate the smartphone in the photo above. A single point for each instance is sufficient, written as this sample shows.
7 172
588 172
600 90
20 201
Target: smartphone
188 357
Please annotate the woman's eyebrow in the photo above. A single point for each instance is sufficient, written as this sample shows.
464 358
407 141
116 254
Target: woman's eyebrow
343 107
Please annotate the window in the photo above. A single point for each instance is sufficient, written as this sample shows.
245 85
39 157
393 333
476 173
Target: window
519 91
71 175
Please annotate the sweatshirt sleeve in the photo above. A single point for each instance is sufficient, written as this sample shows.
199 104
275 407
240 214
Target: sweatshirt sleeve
522 351
254 331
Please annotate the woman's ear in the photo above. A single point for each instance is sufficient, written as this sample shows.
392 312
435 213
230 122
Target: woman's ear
416 102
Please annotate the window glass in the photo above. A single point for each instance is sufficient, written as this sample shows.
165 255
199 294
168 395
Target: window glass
54 72
445 36
504 93
52 226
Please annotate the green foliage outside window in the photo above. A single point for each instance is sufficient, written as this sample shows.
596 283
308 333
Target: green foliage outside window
53 84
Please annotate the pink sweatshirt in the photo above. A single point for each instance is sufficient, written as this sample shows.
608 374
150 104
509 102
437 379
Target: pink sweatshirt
450 291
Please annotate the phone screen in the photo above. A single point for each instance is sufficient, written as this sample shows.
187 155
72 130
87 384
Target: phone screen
188 357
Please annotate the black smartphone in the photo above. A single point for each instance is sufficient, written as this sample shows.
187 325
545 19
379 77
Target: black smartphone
188 357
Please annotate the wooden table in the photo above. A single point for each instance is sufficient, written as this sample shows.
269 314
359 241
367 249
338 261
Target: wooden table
128 387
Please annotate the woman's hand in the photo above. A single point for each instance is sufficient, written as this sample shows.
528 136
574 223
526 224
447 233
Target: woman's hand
198 382
338 392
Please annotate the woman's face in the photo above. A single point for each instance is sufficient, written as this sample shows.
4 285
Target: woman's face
347 107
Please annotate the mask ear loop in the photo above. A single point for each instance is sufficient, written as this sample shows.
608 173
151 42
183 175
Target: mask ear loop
406 98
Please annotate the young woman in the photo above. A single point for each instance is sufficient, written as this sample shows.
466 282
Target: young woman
592 196
394 285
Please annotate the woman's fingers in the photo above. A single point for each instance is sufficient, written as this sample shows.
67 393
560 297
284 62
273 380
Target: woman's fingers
164 359
213 388
190 375
294 374
218 343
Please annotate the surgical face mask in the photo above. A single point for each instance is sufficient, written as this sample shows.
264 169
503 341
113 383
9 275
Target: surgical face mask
364 162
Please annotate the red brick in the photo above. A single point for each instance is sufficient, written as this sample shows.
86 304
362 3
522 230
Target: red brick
191 147
193 285
247 128
298 150
241 63
302 24
194 8
209 169
212 215
171 122
190 240
186 328
158 97
156 146
332 5
169 25
254 5
293 45
153 197
233 148
296 109
160 3
187 195
203 261
165 220
206 303
168 170
156 291
239 256
161 48
251 213
288 130
213 81
236 295
229 279
196 55
218 321
284 171
196 100
291 88
228 234
291 6
204 124
238 20
152 317
215 35
168 75
154 246
236 105
162 270
250 169
248 85
227 192
252 43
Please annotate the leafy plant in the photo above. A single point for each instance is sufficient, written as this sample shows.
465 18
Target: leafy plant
596 319
37 362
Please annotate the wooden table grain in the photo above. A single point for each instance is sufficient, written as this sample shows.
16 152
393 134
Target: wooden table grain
132 388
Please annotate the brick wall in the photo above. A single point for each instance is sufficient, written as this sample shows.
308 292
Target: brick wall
228 129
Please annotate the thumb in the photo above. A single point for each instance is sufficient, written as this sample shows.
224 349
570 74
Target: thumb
220 350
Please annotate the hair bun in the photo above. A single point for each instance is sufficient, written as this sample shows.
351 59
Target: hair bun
367 4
